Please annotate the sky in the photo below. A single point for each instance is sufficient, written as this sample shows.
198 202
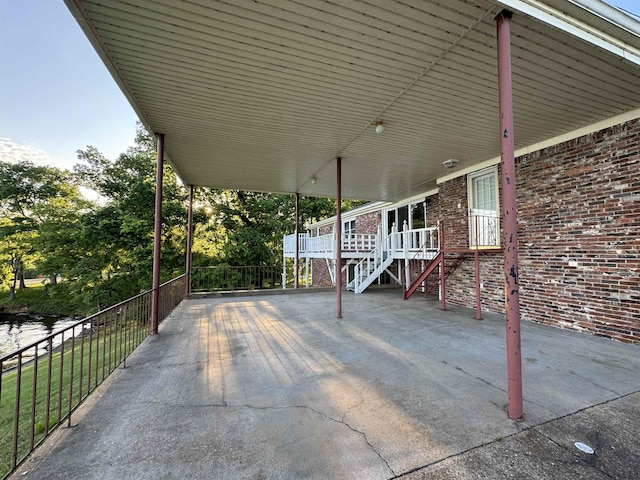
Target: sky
56 96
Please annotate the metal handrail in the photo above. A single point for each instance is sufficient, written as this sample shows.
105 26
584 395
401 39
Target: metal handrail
230 277
424 254
44 382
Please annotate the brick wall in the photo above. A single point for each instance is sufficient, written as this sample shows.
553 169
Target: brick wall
433 210
461 287
453 208
579 225
365 224
368 223
320 273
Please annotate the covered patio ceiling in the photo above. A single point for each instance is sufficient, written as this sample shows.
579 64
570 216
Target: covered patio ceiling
264 95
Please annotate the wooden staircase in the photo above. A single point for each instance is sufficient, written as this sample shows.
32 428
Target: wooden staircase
371 267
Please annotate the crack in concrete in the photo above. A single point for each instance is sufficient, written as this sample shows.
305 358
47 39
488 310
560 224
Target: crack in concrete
285 407
355 404
499 389
571 372
576 456
460 369
521 432
328 417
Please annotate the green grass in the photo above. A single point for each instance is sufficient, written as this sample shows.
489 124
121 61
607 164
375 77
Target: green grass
93 358
44 299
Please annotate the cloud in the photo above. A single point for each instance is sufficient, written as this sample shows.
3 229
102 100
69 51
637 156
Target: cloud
13 152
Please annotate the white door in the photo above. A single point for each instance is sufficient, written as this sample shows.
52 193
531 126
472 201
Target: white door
483 212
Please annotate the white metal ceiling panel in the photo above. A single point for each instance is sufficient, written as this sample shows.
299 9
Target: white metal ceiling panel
264 95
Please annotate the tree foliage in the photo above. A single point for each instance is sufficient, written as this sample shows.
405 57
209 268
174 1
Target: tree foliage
247 228
115 238
33 201
104 248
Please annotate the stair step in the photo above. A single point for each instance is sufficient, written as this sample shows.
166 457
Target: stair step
448 268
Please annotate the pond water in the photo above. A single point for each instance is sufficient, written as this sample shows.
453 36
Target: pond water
19 330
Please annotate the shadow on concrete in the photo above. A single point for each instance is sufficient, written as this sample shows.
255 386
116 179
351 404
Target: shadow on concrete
276 387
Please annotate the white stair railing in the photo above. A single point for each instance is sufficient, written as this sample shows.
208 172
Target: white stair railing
370 267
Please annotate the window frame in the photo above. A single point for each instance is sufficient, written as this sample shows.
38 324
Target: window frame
489 228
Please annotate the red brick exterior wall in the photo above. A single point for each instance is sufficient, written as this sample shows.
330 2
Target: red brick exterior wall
453 208
365 224
320 273
433 210
368 223
461 287
579 236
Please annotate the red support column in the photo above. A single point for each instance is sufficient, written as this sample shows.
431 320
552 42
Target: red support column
157 231
339 236
476 261
296 260
443 260
510 217
187 280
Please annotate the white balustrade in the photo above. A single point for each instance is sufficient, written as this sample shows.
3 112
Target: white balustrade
359 242
400 244
320 244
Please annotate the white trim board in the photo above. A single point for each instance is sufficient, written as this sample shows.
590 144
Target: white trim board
595 127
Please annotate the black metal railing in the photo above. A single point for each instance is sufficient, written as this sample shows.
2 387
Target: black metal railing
44 382
227 278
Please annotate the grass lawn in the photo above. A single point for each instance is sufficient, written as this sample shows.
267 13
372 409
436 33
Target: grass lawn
74 369
44 299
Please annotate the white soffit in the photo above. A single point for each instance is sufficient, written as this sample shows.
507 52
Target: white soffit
264 95
584 24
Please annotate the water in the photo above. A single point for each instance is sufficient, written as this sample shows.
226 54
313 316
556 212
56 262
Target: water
19 330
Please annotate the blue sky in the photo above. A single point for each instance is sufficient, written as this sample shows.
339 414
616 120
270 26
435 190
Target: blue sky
55 93
56 96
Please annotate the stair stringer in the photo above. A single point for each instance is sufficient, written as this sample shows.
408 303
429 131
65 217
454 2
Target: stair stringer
431 266
371 277
440 258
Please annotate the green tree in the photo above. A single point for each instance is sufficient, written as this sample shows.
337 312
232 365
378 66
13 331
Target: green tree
115 241
247 227
32 199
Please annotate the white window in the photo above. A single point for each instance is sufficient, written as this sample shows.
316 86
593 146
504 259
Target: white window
484 221
349 228
418 215
349 235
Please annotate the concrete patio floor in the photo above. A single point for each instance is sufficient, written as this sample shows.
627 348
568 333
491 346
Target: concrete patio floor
275 387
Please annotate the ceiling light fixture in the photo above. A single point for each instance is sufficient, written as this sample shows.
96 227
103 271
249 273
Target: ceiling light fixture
379 127
314 180
450 163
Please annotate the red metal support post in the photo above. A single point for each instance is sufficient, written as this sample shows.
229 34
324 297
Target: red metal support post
187 279
157 231
510 217
339 236
476 261
296 260
443 284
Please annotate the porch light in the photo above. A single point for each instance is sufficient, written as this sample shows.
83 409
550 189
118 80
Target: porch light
450 163
314 180
379 127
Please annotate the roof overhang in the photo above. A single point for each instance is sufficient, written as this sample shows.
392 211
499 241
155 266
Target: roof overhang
265 95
